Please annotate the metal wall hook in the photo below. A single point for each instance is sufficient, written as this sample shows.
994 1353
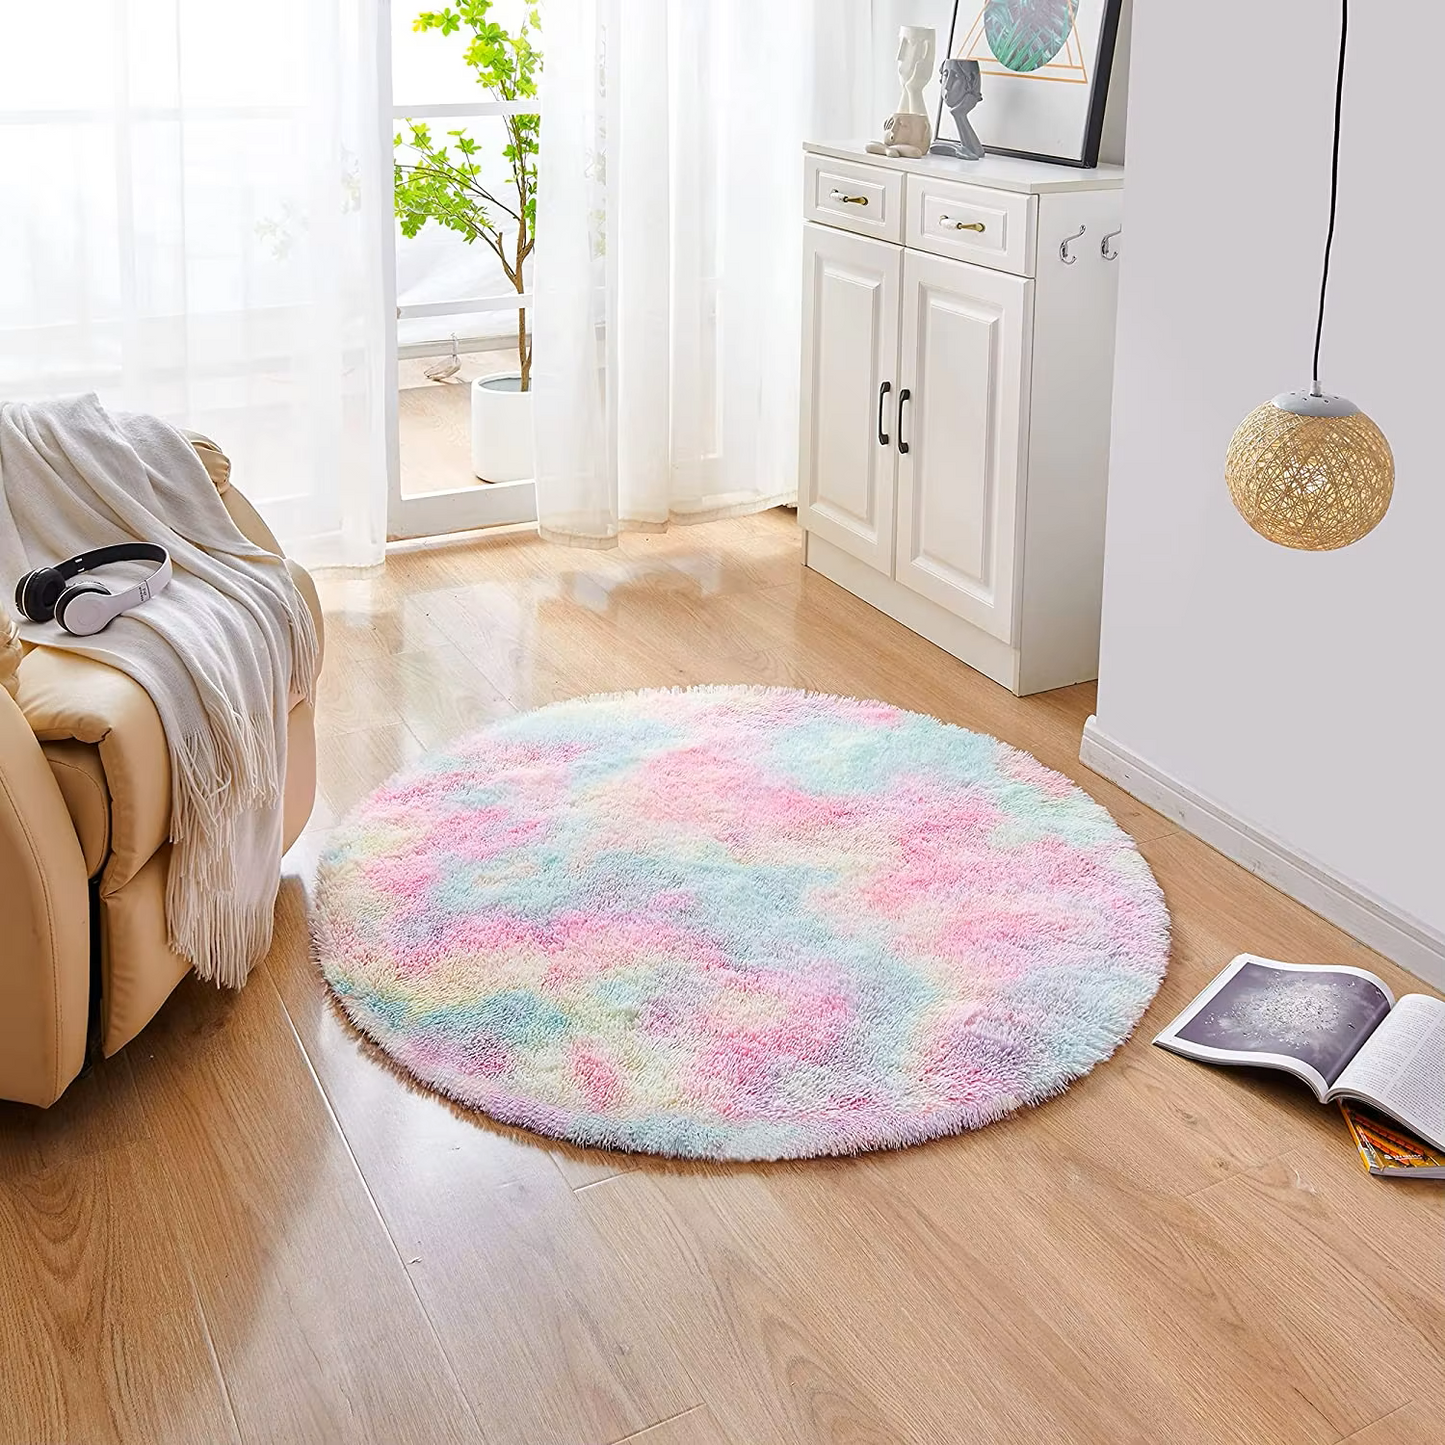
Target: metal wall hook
1064 245
1110 253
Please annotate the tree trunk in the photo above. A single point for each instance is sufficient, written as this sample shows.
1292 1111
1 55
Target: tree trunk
524 351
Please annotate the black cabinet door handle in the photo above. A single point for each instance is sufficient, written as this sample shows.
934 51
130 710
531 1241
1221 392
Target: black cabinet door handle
903 396
882 392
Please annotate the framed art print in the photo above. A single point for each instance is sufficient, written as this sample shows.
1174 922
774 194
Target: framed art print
1045 69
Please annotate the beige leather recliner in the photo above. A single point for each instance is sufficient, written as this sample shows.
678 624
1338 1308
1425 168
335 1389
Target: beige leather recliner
85 801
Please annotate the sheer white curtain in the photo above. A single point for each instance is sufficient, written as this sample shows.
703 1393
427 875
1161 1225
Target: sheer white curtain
668 280
189 225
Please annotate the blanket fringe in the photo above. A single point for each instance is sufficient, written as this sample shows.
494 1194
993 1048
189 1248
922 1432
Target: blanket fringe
232 767
219 774
211 927
229 769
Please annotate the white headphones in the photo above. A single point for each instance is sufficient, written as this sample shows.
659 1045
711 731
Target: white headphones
84 608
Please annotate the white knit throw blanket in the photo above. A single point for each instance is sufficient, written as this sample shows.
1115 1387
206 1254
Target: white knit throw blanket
222 651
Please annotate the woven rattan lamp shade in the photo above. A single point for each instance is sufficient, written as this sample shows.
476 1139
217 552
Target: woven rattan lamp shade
1309 481
1308 469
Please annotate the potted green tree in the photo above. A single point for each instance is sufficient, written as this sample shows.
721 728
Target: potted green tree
440 180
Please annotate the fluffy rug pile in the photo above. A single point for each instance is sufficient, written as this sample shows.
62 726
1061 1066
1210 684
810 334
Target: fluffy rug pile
739 923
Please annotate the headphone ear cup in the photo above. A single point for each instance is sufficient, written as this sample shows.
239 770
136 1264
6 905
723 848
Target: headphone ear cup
86 618
37 592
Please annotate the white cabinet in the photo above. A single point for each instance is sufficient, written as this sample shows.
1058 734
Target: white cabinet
850 355
955 401
961 432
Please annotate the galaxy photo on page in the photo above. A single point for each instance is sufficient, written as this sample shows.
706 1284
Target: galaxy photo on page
1319 1018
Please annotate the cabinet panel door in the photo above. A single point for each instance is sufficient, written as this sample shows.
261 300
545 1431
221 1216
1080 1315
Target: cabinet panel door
964 364
850 351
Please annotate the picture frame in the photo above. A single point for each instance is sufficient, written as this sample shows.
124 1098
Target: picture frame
1045 99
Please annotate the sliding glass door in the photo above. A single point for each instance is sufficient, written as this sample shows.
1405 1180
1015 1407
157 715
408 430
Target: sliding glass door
463 127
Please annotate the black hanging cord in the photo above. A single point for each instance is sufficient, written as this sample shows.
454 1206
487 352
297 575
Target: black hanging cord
1334 189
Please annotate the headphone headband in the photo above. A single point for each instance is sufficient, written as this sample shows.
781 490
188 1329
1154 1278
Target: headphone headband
104 556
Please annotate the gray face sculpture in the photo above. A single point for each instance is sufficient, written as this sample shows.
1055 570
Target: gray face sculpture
962 84
962 90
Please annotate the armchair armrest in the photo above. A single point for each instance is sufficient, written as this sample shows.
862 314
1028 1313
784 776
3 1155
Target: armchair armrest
45 961
65 697
10 653
215 461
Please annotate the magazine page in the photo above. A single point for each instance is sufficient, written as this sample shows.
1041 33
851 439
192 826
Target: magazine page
1402 1069
1307 1019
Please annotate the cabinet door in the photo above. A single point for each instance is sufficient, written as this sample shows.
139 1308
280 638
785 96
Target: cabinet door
964 364
850 350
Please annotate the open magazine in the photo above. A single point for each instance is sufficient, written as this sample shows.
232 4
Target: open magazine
1337 1028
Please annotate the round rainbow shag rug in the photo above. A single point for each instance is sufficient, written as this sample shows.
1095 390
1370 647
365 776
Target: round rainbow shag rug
739 923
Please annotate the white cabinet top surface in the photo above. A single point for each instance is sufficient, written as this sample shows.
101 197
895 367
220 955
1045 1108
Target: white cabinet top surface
1000 173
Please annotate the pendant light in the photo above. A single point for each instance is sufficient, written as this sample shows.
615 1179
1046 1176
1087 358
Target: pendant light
1310 470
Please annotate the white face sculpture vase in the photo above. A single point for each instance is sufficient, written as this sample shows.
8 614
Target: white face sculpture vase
915 66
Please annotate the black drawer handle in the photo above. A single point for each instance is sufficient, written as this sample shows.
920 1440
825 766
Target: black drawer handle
903 396
882 392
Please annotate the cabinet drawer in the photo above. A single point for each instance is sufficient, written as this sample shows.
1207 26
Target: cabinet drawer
866 199
971 223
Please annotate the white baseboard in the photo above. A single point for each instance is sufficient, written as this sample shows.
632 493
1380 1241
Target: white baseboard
1388 930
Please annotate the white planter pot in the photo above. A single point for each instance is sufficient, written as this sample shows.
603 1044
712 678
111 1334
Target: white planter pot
501 429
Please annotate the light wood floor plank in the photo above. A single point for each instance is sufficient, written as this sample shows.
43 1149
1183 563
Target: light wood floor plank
102 1338
436 693
316 1326
1418 1423
1320 1257
353 764
740 1292
696 1427
581 1167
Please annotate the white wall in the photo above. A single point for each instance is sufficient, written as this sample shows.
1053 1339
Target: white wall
1301 692
888 15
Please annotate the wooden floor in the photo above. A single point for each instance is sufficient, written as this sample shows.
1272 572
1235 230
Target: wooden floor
246 1227
434 421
